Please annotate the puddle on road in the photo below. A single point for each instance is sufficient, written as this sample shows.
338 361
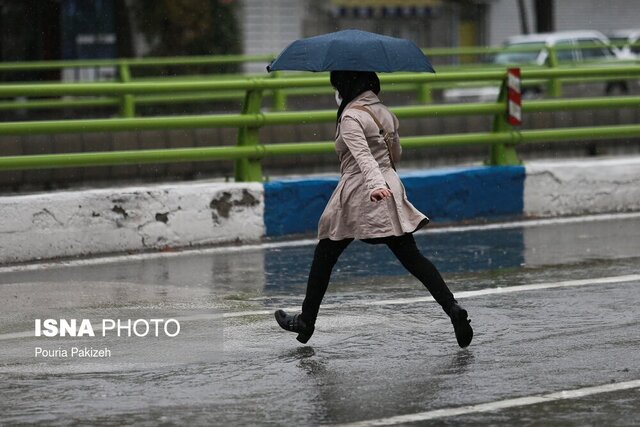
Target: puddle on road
364 362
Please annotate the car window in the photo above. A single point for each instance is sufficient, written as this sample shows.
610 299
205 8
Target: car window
519 53
564 52
594 49
635 42
619 42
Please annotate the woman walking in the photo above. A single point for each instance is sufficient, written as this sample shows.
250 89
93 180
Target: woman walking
368 204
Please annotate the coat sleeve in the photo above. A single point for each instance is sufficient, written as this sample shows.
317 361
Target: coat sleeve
353 135
396 148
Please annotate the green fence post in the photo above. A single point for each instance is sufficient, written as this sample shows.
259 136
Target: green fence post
250 169
424 94
127 102
503 154
554 86
279 99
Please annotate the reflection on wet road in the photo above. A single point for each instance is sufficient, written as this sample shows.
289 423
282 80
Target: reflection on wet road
370 359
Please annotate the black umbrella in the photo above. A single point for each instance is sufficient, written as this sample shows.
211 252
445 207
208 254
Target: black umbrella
352 50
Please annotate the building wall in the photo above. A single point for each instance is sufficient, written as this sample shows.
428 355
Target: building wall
597 15
269 26
503 18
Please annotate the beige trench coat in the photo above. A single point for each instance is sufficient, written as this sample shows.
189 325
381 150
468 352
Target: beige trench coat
364 167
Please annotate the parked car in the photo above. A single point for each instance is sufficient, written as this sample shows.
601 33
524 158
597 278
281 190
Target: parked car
627 42
533 49
572 47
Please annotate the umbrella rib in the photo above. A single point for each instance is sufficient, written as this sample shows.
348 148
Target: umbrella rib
384 49
325 65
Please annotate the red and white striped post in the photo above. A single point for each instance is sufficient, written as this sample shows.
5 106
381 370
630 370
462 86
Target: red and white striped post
514 98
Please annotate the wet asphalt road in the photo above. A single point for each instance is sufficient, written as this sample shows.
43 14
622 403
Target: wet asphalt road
380 349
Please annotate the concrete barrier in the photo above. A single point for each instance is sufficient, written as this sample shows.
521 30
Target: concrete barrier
561 187
80 223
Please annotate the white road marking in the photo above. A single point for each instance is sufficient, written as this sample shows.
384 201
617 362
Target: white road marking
497 405
304 242
509 289
467 294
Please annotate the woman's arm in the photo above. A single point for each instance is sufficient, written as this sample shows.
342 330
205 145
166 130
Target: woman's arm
396 149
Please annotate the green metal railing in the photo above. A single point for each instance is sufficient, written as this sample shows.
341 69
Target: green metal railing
249 151
127 103
87 89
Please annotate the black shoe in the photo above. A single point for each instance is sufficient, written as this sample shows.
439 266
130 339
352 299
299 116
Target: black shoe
295 324
461 325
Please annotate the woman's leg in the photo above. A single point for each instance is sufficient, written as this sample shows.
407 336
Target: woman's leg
324 258
405 249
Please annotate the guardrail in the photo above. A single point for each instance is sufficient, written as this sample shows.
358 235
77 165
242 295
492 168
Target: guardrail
127 103
249 152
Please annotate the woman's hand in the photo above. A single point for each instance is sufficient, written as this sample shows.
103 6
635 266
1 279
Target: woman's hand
380 194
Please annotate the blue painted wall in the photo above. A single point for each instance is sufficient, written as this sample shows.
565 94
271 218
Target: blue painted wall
447 195
294 206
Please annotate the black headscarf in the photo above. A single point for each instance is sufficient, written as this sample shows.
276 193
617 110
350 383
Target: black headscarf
350 84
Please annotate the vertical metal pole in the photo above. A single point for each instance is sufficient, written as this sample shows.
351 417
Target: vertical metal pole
424 94
249 170
554 87
279 99
127 102
503 154
524 21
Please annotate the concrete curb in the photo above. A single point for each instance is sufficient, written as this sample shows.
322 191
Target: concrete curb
79 223
558 188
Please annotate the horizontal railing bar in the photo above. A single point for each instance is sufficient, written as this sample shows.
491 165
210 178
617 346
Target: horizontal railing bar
195 60
135 62
228 120
46 161
191 97
303 117
58 103
525 136
128 124
270 83
591 132
580 104
595 71
238 95
113 88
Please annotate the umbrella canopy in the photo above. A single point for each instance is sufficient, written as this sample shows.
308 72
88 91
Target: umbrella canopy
352 50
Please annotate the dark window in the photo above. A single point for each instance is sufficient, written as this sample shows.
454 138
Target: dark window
565 52
594 49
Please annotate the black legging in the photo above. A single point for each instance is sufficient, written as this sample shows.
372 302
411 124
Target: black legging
403 247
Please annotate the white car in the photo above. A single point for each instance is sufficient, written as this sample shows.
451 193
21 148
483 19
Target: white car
627 42
533 49
572 46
